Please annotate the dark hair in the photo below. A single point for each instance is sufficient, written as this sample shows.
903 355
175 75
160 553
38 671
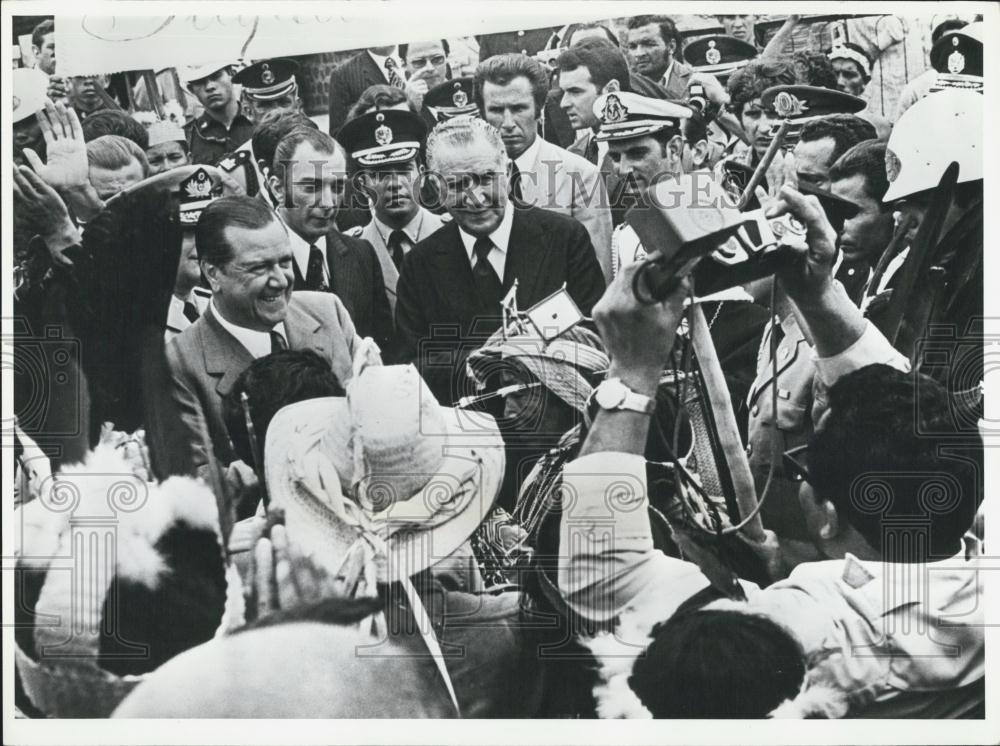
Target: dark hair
272 382
751 81
603 61
846 130
718 664
501 69
574 27
288 144
867 158
225 212
112 152
402 49
42 30
878 457
949 24
378 96
695 128
668 29
814 68
272 128
113 122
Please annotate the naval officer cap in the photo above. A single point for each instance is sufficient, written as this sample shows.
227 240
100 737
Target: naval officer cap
452 98
267 80
382 138
625 115
719 55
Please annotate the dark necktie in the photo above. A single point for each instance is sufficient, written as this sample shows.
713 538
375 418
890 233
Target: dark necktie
591 151
392 74
278 342
488 284
395 245
315 279
191 311
515 183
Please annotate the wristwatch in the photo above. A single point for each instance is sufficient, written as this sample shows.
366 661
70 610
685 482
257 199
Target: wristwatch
614 395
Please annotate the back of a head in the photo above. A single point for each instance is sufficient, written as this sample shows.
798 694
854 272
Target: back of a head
604 61
866 159
717 664
272 128
595 32
113 122
378 96
814 68
846 131
879 458
270 383
113 152
228 212
751 81
293 670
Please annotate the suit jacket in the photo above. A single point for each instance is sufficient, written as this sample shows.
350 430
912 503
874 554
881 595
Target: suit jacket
586 147
205 360
347 82
390 275
677 84
358 282
439 319
569 184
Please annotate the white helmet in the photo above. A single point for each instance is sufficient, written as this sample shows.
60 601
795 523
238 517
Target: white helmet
940 128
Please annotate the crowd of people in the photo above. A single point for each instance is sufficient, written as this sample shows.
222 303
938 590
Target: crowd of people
468 404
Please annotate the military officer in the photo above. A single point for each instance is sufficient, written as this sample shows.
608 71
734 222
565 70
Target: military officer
452 98
222 127
386 153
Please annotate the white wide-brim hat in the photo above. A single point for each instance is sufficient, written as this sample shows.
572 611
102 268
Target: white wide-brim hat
385 468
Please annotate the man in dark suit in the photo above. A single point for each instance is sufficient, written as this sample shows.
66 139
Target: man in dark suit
246 255
308 176
375 65
452 282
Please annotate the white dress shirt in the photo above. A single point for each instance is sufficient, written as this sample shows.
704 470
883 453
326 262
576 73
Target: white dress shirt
300 251
257 343
379 60
500 238
526 161
411 230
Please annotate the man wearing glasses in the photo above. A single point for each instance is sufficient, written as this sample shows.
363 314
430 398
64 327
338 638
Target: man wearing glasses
452 283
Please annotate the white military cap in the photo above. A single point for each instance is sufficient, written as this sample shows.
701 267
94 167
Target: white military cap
626 115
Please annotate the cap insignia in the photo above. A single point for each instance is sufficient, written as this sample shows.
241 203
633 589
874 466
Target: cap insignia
956 60
383 135
266 76
892 165
712 56
614 110
199 185
786 105
459 98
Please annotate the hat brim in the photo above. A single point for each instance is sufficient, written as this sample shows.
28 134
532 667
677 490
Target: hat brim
457 496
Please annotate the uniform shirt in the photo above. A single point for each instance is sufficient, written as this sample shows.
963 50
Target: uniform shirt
176 320
209 139
257 343
500 237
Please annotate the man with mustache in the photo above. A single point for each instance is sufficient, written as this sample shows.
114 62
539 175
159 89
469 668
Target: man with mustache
308 177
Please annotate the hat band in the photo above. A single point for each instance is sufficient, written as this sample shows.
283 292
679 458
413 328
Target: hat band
846 53
967 82
271 92
722 66
358 154
635 128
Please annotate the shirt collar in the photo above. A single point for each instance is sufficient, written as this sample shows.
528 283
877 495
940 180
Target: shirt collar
500 237
411 229
526 161
665 80
379 60
300 249
257 343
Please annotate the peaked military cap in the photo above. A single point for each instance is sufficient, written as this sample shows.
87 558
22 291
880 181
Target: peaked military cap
267 80
625 115
719 55
383 137
958 58
453 98
800 104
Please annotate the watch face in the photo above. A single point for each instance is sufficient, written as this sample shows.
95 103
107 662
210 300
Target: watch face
610 394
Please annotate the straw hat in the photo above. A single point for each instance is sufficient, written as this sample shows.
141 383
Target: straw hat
386 469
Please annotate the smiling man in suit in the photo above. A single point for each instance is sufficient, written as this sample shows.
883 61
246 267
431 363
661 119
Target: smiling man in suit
452 283
308 177
375 65
246 255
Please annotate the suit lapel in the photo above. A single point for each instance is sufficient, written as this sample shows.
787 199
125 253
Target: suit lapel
370 72
225 357
390 275
453 274
305 331
526 258
342 264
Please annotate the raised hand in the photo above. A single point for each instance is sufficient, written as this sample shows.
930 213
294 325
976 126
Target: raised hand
45 211
812 271
66 149
416 89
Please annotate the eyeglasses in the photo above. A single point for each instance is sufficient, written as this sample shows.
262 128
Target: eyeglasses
435 61
794 462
